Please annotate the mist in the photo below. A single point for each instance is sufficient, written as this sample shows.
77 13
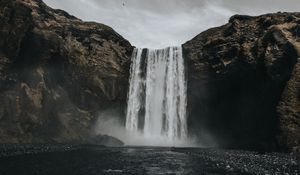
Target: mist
153 24
110 124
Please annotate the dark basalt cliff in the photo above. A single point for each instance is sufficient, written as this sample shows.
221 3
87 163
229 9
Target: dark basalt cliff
56 72
244 82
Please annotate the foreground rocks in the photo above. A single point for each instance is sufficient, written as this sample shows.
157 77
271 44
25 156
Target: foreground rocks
137 160
56 72
245 162
8 150
243 83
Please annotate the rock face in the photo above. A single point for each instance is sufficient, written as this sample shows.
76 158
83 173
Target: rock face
56 72
289 112
243 82
105 140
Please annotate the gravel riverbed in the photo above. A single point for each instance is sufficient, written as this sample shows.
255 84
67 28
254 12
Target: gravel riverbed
94 160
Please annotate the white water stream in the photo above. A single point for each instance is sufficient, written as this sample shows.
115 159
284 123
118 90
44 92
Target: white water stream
157 95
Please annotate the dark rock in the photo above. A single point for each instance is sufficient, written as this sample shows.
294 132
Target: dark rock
106 141
243 85
56 72
289 112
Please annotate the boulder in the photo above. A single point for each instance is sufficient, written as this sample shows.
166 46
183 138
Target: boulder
106 140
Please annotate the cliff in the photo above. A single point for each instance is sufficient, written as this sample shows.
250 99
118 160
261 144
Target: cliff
56 72
243 82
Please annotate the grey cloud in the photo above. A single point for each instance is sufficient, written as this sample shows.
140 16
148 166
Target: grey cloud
256 7
162 23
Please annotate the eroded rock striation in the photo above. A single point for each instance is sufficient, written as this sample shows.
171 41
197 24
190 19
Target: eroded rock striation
56 72
243 82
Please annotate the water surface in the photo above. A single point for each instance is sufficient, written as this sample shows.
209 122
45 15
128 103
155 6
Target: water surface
94 160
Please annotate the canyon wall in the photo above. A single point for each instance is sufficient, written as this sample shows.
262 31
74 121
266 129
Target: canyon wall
56 73
243 83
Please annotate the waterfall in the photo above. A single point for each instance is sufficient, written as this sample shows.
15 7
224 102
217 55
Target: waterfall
157 94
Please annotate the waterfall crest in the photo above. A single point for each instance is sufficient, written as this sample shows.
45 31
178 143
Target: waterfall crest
157 94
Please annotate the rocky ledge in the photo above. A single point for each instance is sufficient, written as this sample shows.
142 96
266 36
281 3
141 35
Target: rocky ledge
244 83
56 72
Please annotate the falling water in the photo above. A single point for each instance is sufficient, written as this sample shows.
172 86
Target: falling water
157 94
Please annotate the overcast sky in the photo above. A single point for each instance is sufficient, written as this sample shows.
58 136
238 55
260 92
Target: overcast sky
162 23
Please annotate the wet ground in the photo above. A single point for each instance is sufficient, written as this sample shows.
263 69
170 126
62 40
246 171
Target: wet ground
94 160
